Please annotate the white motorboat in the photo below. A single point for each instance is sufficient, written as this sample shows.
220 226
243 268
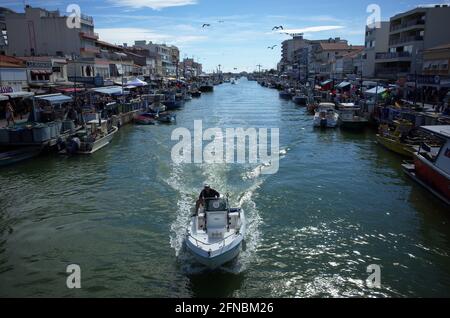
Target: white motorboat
326 116
350 117
96 136
216 233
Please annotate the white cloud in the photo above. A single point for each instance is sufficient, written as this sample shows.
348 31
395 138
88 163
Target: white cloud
320 28
129 35
153 4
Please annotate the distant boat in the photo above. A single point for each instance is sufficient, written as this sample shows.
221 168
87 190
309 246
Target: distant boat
196 94
349 117
206 87
300 99
145 119
286 94
96 136
326 116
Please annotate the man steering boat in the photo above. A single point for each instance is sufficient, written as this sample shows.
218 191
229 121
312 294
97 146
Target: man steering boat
207 193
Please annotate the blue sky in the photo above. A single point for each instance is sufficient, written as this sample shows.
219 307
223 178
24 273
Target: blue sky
241 40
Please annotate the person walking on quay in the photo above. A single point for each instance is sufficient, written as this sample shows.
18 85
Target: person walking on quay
9 114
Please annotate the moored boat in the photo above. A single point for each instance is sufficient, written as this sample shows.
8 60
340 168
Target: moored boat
96 136
286 94
350 117
145 119
431 167
216 233
207 87
326 116
397 141
10 157
300 99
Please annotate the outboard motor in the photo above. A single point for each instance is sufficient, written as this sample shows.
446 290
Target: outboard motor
73 145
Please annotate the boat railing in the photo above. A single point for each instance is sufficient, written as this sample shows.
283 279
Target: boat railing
209 244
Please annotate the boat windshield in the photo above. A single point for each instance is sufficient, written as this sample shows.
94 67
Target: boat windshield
213 205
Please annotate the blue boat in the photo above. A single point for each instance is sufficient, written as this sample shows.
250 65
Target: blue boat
14 156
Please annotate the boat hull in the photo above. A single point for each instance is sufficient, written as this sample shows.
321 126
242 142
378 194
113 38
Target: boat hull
207 89
395 146
213 262
432 176
286 96
15 156
354 125
325 123
101 143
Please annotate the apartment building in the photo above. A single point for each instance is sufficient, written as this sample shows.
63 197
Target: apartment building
169 57
376 41
410 34
39 32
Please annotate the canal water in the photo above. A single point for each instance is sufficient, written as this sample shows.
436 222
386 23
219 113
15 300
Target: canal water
338 204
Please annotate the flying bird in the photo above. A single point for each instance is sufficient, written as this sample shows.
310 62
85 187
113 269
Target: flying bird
272 47
278 28
206 25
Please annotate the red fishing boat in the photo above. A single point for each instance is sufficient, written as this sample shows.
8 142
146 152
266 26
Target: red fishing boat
431 167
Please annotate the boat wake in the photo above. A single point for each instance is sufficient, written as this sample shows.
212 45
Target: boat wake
242 190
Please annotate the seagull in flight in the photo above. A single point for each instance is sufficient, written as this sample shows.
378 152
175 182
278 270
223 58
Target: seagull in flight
206 25
278 28
272 47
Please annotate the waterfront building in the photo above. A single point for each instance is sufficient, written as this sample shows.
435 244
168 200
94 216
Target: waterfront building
326 54
169 57
13 75
45 71
411 33
349 64
189 68
376 41
3 31
47 34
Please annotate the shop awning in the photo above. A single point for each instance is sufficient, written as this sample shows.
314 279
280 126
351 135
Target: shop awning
344 84
376 90
41 72
71 90
55 98
136 83
20 94
112 90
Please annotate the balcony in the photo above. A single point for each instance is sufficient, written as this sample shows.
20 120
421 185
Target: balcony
89 35
92 50
392 55
407 24
87 19
405 39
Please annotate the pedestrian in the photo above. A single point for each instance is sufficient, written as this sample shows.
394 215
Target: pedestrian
9 114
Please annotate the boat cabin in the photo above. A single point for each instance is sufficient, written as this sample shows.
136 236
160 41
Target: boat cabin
438 155
216 218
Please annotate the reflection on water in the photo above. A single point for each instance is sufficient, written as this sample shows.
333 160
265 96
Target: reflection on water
338 204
